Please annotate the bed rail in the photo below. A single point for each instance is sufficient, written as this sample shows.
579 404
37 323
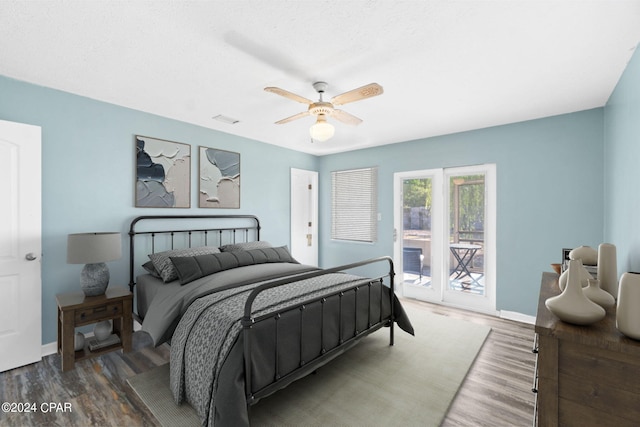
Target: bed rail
346 296
233 234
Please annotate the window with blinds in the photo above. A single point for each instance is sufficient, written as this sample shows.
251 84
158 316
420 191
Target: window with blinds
354 205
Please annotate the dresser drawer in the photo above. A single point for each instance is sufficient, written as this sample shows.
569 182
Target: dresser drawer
98 312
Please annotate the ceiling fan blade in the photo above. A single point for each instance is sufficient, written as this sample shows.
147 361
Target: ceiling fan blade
344 117
289 95
292 118
367 91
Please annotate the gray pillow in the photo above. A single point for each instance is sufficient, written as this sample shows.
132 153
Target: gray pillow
162 260
151 269
194 267
245 246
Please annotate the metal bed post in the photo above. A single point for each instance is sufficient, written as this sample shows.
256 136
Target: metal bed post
391 293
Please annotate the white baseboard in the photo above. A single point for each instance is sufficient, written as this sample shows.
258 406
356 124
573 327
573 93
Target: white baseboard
518 317
51 348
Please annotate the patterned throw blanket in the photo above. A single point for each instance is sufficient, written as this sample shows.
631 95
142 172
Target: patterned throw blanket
203 344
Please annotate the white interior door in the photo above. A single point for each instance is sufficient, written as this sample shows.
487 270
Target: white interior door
304 216
20 245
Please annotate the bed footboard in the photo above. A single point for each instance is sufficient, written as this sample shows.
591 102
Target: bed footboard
290 343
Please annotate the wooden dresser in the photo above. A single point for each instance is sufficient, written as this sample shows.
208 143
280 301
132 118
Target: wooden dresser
585 375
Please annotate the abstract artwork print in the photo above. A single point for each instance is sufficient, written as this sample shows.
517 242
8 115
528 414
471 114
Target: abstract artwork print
163 173
219 178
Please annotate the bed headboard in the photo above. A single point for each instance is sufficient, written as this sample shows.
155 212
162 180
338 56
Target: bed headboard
157 233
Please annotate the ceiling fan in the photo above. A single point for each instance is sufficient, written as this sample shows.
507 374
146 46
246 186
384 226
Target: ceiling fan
322 130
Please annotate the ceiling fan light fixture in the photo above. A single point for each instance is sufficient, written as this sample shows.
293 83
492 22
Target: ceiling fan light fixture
321 130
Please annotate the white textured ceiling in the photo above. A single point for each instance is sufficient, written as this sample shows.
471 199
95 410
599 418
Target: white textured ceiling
446 66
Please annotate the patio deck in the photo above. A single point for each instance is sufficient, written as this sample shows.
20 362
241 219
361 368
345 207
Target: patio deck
465 284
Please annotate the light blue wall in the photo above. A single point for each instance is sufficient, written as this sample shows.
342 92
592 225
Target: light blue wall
549 194
550 182
622 168
88 173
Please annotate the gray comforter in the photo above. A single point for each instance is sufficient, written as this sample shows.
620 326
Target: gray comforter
172 300
207 358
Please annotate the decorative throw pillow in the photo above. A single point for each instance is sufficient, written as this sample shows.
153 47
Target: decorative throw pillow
191 268
245 246
151 269
162 260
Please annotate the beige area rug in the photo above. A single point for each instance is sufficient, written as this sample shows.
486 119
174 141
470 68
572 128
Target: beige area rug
410 384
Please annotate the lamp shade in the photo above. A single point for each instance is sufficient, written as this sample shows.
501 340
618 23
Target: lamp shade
92 248
321 130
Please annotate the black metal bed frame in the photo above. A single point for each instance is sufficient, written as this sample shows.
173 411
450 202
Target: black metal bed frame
230 231
250 322
308 366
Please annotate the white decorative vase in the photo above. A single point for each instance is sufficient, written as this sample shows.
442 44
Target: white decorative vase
79 341
572 305
608 268
584 274
628 314
102 330
597 295
586 254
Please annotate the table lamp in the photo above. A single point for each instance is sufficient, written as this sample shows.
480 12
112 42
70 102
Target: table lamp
93 250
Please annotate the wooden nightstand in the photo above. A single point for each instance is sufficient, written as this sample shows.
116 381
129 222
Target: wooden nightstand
76 309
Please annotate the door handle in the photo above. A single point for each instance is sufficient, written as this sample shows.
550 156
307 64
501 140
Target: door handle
30 257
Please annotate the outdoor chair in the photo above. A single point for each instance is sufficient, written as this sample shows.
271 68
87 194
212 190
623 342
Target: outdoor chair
412 260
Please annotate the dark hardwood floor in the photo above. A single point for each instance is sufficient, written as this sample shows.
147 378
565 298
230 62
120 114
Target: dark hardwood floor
496 392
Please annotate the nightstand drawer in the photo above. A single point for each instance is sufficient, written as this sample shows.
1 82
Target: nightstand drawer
98 312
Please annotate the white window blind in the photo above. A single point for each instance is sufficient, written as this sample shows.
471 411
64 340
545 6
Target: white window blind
354 205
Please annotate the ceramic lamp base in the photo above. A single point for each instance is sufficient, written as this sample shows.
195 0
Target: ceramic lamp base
94 279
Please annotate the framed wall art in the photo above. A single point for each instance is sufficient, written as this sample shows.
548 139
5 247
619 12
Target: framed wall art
219 178
163 173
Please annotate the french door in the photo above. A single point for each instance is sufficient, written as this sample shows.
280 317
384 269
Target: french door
445 235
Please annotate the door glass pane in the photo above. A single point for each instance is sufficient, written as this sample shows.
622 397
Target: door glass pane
466 237
416 231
